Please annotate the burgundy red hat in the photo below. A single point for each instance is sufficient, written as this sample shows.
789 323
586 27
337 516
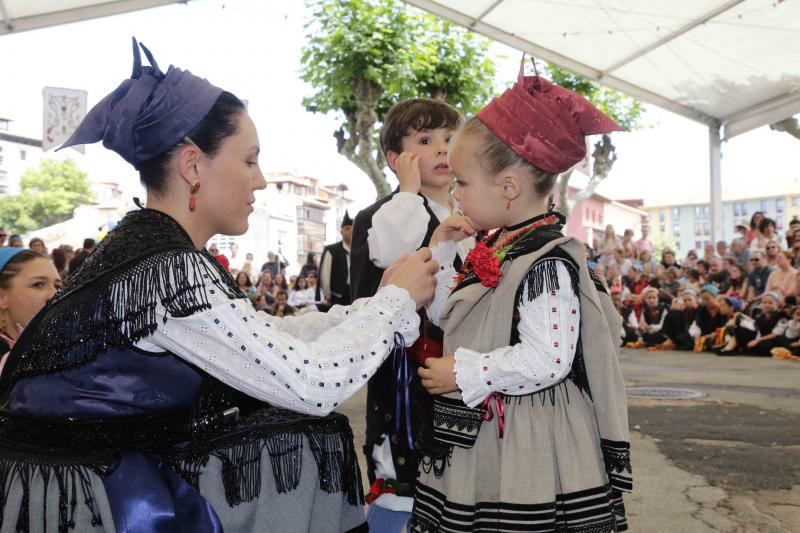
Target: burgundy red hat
544 123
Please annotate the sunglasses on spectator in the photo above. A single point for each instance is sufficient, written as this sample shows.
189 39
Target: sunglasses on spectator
754 259
3 235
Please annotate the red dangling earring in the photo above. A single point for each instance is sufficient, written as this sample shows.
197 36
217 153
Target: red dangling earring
192 197
508 205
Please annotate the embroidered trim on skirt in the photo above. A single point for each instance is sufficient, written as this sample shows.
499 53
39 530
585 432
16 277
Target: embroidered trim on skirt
549 472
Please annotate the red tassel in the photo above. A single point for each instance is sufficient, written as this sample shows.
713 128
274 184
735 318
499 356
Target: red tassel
192 203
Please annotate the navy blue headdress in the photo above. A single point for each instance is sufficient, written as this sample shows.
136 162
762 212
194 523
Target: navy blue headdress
149 113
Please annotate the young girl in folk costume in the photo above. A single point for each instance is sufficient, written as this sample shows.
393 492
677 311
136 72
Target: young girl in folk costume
530 425
652 318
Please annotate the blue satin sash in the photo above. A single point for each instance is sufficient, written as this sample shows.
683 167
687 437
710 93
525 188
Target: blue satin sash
147 496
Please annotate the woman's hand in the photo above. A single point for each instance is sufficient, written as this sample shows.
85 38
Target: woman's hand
454 228
389 272
752 343
439 376
416 275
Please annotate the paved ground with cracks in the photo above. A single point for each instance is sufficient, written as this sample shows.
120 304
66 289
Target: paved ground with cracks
729 461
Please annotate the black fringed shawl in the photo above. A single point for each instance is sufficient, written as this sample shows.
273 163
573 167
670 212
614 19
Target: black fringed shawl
146 260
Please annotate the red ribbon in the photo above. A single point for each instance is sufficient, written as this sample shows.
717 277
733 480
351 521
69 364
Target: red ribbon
488 413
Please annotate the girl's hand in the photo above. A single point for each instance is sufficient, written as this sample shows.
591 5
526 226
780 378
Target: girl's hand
439 376
752 343
454 228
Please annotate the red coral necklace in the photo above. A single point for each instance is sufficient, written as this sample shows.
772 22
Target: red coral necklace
484 262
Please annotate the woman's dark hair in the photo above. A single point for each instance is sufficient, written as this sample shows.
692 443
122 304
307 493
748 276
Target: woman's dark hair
296 286
220 122
15 264
753 219
282 285
247 282
59 259
33 240
765 223
77 260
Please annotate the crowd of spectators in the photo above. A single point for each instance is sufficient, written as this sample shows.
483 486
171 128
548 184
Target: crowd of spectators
737 297
733 298
268 289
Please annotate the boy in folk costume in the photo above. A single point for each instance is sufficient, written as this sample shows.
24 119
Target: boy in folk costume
531 415
414 138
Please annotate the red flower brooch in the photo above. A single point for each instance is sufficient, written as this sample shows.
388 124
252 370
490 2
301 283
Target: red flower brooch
484 262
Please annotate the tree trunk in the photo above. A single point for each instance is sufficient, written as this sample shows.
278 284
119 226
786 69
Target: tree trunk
604 156
355 139
788 125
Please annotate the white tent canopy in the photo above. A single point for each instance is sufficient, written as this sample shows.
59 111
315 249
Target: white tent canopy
733 65
21 15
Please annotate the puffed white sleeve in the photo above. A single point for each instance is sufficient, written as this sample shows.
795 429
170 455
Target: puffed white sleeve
548 330
398 228
309 363
443 253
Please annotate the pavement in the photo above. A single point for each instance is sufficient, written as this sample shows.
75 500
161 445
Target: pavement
726 462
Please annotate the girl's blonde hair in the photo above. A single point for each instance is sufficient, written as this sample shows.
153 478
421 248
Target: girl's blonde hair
495 157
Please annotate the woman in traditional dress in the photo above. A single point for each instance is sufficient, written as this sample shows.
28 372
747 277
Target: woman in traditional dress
120 398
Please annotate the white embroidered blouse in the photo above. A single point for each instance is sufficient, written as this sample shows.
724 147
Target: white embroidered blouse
548 330
309 363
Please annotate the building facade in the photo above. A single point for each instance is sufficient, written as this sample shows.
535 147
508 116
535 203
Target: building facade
293 216
690 224
588 220
17 154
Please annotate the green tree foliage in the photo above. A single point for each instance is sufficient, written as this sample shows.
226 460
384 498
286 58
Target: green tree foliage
623 109
362 56
48 195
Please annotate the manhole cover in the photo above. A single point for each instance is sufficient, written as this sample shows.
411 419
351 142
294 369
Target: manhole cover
664 393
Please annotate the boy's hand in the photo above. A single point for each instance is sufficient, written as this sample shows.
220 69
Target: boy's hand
439 377
454 228
408 172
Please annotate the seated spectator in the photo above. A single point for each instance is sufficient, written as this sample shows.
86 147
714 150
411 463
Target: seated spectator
740 253
755 232
614 278
60 262
738 330
789 334
651 320
766 323
722 249
77 260
795 249
266 286
635 282
281 307
709 252
608 244
260 303
302 297
647 262
628 245
644 244
709 318
784 278
27 280
773 250
618 258
671 285
668 258
15 241
690 261
694 281
718 276
766 234
737 286
279 285
630 325
676 325
702 268
245 285
759 273
37 245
